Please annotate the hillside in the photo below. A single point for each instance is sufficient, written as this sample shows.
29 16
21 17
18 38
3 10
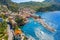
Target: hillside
34 5
37 6
55 6
10 5
5 2
56 2
50 8
15 6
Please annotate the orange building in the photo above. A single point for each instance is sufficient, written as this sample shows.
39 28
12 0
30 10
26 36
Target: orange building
18 32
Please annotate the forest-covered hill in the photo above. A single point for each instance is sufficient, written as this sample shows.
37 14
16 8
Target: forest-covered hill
37 6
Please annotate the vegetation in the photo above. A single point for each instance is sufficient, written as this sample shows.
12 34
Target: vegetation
10 5
49 8
3 16
37 6
3 31
19 21
34 5
14 7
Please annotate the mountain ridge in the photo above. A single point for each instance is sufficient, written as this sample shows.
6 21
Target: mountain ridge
45 5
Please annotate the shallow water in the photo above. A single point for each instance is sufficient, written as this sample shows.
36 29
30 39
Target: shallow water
36 31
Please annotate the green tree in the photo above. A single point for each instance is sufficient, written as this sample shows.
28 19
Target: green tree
19 21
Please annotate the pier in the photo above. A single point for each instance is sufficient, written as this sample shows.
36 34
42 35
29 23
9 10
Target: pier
40 20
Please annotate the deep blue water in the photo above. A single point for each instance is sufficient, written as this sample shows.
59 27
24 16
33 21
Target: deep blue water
38 32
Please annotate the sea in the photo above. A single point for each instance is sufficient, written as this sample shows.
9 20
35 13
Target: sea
36 31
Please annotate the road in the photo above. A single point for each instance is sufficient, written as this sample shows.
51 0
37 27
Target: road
10 34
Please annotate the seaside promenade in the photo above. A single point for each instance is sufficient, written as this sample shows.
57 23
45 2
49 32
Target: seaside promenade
40 20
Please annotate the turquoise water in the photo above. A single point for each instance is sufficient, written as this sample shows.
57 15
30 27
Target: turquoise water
36 31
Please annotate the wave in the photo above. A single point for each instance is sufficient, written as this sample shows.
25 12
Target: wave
43 36
30 37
